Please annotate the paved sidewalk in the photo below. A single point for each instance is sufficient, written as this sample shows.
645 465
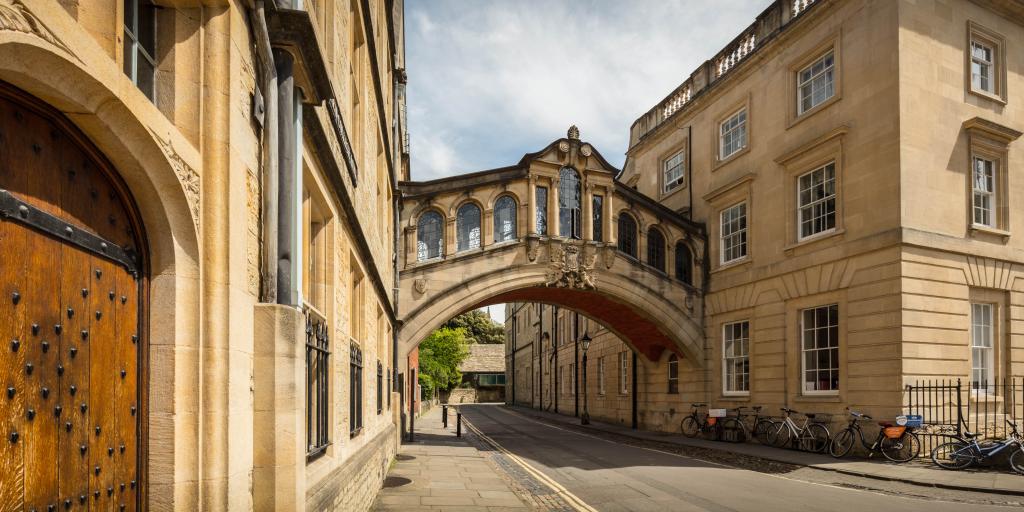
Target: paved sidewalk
444 472
1000 480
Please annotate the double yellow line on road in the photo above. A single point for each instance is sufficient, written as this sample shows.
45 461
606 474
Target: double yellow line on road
571 499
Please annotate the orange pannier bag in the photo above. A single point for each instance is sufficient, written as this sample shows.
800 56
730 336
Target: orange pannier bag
894 432
712 421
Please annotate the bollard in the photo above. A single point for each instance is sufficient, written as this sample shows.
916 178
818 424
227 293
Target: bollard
444 415
458 424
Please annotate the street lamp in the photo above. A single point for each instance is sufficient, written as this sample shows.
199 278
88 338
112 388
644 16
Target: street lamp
585 340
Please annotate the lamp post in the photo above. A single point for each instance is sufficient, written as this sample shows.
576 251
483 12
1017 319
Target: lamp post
585 341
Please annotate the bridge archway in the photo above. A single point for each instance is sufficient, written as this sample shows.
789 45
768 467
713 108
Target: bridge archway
653 308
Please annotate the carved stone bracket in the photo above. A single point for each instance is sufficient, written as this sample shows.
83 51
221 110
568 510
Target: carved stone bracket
608 256
15 17
572 266
532 249
420 285
188 176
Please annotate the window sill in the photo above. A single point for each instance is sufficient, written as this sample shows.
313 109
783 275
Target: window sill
991 96
817 237
718 163
824 397
818 108
738 397
979 228
732 264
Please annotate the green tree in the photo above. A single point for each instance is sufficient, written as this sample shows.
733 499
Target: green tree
479 327
440 356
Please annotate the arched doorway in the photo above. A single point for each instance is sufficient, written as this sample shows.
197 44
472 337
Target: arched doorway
74 286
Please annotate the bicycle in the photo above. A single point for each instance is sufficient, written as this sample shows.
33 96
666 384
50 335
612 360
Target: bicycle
963 453
695 424
735 430
809 437
896 443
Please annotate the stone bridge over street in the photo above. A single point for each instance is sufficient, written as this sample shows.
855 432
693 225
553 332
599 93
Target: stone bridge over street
555 228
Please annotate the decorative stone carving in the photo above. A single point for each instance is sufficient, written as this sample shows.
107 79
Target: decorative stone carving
609 256
188 176
574 133
16 17
572 266
252 224
532 249
586 150
563 146
420 284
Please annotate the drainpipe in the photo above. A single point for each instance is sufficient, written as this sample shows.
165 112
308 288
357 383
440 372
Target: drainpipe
554 367
576 363
636 392
540 358
257 18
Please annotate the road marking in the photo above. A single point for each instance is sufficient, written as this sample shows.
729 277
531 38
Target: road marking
574 501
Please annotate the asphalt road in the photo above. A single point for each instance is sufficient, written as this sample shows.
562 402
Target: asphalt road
611 476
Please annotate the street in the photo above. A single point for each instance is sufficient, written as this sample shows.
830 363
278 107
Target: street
611 476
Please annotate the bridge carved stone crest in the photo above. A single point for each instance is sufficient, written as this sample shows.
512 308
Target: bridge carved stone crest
572 266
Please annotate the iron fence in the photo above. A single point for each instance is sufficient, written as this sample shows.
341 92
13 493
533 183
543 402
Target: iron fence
950 407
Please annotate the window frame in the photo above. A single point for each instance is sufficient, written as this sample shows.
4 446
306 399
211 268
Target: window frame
597 217
686 277
668 186
355 397
990 350
420 235
499 207
656 253
672 368
624 372
133 43
992 195
541 210
727 359
469 239
318 384
722 236
996 43
635 230
800 207
803 351
800 84
567 177
830 42
741 128
601 390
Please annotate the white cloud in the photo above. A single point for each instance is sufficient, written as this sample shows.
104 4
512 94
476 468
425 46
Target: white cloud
490 81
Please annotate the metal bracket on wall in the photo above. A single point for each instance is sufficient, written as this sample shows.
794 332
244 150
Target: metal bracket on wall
14 209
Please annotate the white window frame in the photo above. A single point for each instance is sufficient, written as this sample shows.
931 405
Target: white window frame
983 345
988 65
730 381
600 376
832 345
736 237
673 171
805 211
734 128
809 83
137 50
624 373
981 195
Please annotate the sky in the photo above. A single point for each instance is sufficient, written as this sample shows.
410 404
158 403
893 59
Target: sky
490 80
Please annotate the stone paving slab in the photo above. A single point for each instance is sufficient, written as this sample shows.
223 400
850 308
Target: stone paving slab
447 473
1000 480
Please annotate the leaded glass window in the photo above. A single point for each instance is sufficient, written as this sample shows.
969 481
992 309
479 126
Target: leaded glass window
655 249
429 236
597 204
504 219
627 234
467 225
684 263
542 210
569 203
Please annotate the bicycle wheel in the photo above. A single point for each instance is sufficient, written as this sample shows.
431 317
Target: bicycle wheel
779 435
815 438
952 455
689 427
904 449
1017 460
762 429
733 431
842 443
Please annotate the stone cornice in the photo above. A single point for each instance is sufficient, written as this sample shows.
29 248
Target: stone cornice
990 129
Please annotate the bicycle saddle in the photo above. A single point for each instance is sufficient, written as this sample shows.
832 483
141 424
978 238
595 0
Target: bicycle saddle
783 409
810 415
856 414
757 407
971 434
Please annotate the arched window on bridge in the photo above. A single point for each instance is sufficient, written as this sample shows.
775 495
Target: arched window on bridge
504 219
655 249
684 263
429 236
627 234
467 224
569 218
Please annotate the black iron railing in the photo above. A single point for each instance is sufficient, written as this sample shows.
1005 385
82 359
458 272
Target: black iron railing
318 353
951 407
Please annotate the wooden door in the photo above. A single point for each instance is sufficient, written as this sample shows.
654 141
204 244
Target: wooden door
71 298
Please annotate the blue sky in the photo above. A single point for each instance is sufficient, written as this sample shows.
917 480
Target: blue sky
492 80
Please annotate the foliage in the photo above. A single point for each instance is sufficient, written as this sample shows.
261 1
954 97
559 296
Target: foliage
440 356
479 327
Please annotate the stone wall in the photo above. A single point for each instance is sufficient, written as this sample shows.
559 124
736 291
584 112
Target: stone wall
353 486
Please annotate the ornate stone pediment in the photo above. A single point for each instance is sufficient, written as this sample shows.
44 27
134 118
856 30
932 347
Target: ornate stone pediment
572 266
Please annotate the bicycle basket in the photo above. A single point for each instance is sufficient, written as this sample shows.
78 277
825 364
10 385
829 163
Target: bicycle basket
894 432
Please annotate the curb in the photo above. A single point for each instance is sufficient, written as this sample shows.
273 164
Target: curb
939 485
